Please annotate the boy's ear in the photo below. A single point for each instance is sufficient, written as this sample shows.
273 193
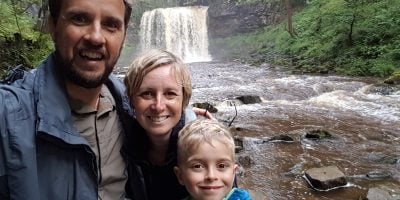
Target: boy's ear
178 175
235 168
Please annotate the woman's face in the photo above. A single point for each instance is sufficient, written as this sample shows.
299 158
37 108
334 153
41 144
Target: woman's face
158 102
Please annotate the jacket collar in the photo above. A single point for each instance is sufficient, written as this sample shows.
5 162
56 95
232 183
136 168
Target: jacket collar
136 145
53 109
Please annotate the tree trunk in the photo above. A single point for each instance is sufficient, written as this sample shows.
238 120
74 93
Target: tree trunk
289 12
350 36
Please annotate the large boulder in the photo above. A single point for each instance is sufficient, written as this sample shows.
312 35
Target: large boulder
325 178
378 194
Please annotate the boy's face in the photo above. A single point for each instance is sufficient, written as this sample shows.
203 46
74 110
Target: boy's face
208 172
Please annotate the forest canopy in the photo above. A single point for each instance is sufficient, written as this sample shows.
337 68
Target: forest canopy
22 37
351 37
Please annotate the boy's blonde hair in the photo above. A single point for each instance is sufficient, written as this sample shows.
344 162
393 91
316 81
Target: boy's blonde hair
151 60
200 131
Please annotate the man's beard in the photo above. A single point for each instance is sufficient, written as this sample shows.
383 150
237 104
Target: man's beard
69 72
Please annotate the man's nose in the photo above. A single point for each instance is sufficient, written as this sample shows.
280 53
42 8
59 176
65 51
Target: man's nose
95 34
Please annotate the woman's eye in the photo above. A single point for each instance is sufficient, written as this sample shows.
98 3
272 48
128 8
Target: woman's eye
170 94
146 95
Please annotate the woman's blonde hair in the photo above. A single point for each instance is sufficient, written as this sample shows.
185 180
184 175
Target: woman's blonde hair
151 60
203 130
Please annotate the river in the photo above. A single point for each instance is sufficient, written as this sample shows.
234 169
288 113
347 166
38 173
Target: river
362 118
364 122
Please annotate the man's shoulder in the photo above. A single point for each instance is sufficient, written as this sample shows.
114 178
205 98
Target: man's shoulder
17 87
17 94
18 78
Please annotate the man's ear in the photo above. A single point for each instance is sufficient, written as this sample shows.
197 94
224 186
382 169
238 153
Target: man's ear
51 27
178 175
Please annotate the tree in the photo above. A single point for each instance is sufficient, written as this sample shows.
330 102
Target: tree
20 42
289 14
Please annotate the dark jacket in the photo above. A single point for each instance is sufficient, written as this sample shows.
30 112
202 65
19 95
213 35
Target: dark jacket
146 181
42 156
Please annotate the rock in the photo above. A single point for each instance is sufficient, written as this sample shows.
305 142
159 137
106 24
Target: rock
238 149
245 161
378 194
210 108
325 178
238 144
228 19
394 79
256 195
378 175
379 157
280 138
386 88
249 99
317 134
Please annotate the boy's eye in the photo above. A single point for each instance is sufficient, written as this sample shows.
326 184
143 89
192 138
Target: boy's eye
223 165
197 167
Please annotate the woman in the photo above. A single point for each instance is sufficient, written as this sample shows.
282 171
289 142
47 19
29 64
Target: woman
159 87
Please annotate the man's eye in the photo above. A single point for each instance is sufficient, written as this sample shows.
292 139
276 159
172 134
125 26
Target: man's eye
112 25
79 19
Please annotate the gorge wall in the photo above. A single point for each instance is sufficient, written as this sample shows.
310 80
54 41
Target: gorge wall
228 19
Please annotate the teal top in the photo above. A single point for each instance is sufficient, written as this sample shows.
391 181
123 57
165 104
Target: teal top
234 194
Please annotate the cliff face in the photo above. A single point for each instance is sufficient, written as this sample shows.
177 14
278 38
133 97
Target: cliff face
228 19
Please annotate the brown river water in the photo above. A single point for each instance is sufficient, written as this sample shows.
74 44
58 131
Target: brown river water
364 120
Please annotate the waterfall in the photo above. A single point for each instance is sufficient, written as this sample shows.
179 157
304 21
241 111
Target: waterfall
181 30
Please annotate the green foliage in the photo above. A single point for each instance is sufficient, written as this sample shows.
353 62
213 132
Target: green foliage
20 43
353 37
294 3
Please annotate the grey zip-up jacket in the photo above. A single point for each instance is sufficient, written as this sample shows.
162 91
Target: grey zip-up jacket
42 157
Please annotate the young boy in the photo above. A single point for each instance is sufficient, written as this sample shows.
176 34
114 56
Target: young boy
206 162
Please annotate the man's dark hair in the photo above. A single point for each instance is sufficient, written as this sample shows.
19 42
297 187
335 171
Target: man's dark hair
55 7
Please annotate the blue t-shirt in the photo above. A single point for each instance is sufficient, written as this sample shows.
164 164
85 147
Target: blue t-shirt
234 194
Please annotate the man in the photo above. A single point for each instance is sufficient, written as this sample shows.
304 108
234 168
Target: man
62 125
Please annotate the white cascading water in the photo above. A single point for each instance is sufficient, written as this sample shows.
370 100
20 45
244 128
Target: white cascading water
181 30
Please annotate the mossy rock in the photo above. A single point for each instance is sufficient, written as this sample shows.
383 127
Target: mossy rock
394 79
